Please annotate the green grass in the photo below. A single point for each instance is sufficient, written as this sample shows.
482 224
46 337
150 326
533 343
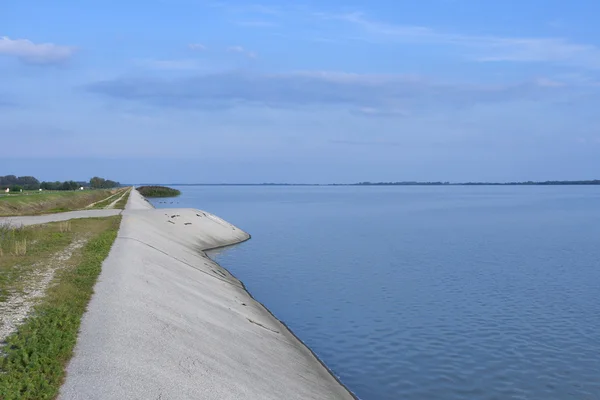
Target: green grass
36 355
104 203
123 202
158 191
22 247
35 203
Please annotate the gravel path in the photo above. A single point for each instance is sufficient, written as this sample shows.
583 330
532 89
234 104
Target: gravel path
17 306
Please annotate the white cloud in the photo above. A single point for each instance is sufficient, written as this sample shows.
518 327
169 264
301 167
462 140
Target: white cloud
196 46
549 82
258 9
241 50
169 65
484 48
256 24
373 95
262 9
29 52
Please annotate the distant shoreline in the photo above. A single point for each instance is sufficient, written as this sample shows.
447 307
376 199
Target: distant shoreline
528 183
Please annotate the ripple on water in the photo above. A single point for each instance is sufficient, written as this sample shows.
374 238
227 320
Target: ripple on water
430 293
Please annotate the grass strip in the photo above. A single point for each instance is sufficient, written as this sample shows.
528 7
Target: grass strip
21 248
35 203
33 366
120 205
108 200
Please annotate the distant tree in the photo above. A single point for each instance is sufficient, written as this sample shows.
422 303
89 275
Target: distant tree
51 185
7 181
16 188
28 182
25 182
111 184
10 180
158 191
97 182
101 183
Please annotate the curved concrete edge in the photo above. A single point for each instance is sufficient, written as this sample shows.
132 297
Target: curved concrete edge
168 322
44 219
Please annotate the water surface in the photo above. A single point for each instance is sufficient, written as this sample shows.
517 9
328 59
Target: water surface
428 292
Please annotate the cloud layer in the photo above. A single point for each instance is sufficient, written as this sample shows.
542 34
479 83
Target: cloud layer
368 94
483 48
241 50
32 53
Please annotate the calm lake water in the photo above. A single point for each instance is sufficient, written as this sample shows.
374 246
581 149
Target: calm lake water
428 292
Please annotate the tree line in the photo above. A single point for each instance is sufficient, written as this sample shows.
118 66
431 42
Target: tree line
101 183
18 183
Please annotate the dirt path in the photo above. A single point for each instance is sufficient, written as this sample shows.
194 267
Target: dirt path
19 304
100 201
112 205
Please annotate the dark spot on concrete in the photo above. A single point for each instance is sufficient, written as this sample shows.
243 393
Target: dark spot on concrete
261 325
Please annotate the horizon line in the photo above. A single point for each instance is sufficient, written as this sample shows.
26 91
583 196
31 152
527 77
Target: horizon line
398 183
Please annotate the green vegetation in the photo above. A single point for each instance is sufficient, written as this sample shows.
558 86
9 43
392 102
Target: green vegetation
109 200
18 183
32 203
123 201
158 191
22 247
33 360
15 183
66 185
101 183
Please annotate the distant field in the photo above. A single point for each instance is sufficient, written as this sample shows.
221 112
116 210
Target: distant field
33 202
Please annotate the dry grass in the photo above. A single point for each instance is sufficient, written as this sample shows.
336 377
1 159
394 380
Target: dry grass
13 240
108 201
64 226
49 202
120 205
20 247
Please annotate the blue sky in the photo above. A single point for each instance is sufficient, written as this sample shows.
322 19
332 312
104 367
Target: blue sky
232 91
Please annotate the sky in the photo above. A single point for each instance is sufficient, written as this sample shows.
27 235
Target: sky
192 91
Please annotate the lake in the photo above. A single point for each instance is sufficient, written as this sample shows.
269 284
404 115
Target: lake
427 292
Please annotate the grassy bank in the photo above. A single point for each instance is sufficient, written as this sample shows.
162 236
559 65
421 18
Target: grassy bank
67 257
158 191
34 203
109 200
120 205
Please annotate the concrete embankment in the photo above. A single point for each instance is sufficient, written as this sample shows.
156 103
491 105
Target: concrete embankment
166 322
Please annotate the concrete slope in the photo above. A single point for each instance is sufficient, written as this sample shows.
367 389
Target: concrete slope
166 322
137 202
43 219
